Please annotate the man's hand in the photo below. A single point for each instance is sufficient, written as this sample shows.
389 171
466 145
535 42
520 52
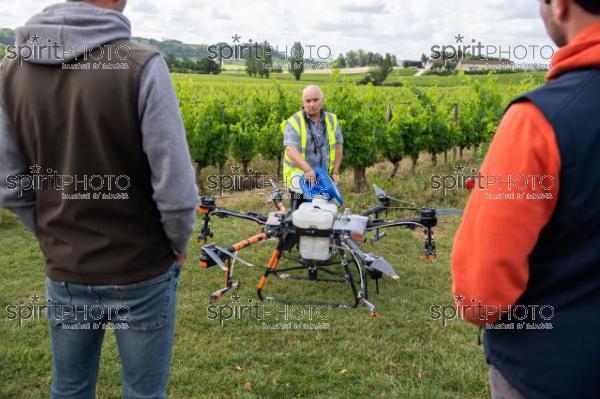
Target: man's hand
310 176
181 259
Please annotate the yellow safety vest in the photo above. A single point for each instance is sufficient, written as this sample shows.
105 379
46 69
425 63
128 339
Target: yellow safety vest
291 173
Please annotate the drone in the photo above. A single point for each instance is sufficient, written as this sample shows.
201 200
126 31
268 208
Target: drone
326 240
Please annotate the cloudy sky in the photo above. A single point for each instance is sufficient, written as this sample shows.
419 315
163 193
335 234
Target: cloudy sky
406 28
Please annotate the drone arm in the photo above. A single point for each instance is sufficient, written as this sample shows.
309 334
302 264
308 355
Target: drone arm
425 223
374 209
380 224
254 217
227 253
250 241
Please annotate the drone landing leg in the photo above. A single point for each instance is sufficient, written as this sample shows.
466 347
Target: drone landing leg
364 292
271 266
271 269
229 284
430 253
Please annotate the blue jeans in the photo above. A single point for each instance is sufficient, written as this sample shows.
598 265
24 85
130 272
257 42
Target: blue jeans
143 318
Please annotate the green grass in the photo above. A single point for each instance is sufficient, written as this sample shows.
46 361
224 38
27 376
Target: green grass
401 354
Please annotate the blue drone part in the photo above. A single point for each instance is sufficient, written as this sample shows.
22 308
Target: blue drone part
323 187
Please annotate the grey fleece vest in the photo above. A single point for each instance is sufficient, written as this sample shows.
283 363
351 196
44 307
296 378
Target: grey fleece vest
78 130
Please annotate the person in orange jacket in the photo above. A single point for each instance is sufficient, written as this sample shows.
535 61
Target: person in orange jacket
526 258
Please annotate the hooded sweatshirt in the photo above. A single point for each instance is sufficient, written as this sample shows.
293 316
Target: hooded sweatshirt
74 29
490 258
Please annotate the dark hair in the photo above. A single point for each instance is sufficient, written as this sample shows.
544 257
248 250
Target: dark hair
591 6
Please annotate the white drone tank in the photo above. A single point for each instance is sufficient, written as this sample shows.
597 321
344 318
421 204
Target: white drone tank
319 214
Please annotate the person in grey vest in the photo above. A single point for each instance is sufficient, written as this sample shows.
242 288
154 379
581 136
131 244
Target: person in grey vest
94 161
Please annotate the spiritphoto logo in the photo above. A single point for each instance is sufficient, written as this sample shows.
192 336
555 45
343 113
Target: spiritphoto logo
464 49
239 50
72 316
83 186
272 316
108 56
530 186
511 317
239 179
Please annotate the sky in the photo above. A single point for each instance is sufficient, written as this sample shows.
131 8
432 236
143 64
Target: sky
406 28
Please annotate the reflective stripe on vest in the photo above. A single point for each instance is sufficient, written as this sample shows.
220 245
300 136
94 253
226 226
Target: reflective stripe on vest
299 124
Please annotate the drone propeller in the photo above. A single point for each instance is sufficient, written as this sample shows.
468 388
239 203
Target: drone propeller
215 253
217 259
449 212
384 198
233 256
378 191
212 197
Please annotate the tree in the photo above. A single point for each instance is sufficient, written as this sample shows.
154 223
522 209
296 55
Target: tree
352 59
340 62
379 74
389 137
250 61
171 61
206 133
244 145
265 60
297 60
356 120
207 66
437 135
279 107
362 57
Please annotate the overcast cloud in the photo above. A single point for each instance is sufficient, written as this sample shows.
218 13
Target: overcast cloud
405 28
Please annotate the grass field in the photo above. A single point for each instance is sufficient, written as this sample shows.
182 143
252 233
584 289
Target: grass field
401 354
398 74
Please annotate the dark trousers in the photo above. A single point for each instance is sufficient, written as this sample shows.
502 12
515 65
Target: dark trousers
500 388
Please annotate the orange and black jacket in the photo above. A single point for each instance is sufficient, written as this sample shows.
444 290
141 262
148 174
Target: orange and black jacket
526 259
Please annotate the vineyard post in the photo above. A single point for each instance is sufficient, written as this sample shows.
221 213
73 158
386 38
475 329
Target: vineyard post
396 161
455 119
224 161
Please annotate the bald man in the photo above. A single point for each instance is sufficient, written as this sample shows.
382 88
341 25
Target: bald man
312 138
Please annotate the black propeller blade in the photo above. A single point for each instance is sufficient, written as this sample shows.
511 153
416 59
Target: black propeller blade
380 264
208 251
232 255
449 212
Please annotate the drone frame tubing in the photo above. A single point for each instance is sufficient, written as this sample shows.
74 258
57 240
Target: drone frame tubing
395 223
374 209
271 266
229 284
222 212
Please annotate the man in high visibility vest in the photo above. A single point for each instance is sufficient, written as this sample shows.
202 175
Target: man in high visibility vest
312 138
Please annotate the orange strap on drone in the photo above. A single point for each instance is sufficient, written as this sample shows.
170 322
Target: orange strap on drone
252 240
